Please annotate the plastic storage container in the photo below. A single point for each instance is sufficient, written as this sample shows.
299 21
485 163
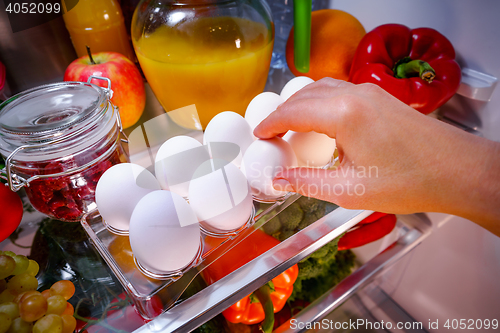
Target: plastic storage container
57 140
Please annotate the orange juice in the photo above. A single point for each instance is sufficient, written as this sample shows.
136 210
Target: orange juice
217 63
98 24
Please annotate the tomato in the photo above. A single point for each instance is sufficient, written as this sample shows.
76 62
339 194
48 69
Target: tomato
11 211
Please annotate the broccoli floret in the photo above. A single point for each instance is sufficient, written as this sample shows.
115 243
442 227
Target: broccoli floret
309 269
284 224
272 226
284 235
321 271
291 217
327 252
297 216
310 218
313 210
319 261
321 252
308 204
309 289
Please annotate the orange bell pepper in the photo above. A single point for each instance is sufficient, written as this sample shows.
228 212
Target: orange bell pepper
265 301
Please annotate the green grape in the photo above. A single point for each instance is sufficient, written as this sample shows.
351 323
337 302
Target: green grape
70 310
22 264
7 265
5 322
33 308
69 323
56 305
11 309
20 326
7 296
8 253
49 324
64 288
46 293
33 268
21 297
22 282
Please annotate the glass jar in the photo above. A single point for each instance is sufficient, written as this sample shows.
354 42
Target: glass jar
57 140
214 54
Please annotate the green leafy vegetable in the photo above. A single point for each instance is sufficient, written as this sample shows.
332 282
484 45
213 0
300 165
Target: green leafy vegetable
316 278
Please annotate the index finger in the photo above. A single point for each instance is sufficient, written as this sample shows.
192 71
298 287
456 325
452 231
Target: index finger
310 109
296 116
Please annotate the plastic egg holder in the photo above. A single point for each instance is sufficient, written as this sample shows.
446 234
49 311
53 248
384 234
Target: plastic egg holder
143 284
270 200
175 274
207 230
126 178
145 287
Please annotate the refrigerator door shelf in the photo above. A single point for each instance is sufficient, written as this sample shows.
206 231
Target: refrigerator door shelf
414 229
477 85
215 298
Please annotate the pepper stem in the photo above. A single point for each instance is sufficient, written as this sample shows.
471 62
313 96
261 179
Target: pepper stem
90 55
406 68
264 296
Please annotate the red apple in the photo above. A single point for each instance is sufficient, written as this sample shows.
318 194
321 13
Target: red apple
126 81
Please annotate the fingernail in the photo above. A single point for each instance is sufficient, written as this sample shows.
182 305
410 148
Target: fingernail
282 185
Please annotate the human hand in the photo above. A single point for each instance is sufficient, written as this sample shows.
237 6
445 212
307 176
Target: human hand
392 158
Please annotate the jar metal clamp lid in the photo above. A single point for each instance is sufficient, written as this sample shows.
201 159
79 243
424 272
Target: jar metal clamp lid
51 115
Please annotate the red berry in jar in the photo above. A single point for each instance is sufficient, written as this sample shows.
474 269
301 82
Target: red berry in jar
60 138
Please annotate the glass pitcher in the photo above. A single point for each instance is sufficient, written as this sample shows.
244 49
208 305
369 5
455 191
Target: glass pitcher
214 54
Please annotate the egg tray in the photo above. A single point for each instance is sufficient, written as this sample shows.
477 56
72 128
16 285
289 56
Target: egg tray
154 295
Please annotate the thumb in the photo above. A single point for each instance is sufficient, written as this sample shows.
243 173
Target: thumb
327 185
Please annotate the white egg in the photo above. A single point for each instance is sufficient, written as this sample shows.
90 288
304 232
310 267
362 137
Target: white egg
119 190
262 161
295 85
220 196
228 127
164 232
312 149
177 160
262 106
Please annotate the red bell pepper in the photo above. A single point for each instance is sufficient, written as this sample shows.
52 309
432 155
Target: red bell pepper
416 66
267 300
369 230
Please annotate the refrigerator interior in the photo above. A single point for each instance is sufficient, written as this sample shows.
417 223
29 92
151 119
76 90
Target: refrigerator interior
454 274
